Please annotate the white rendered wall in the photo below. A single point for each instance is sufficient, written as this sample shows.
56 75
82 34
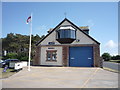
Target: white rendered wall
50 38
83 38
43 56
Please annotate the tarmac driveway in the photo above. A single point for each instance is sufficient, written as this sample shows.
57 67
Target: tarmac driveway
62 77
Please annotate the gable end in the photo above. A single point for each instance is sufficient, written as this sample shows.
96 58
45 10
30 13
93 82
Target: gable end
71 24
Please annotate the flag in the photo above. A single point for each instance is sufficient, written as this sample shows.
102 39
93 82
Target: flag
29 19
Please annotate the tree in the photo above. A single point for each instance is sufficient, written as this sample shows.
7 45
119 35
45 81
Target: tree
113 58
19 44
106 56
117 57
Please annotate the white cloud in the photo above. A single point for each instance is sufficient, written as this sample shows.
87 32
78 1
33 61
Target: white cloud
114 54
110 44
90 23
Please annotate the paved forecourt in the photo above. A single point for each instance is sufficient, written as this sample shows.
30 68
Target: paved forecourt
62 77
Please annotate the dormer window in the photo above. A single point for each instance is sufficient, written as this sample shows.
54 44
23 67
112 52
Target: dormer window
66 34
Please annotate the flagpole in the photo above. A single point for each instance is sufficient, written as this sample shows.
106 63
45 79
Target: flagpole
30 44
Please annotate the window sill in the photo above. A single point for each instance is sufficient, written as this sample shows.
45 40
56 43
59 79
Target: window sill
51 60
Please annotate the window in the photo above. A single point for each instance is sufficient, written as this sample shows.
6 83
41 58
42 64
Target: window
48 55
72 34
51 55
67 33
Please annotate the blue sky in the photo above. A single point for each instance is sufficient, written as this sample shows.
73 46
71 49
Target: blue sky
101 17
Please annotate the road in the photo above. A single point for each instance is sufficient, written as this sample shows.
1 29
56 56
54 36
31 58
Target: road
111 65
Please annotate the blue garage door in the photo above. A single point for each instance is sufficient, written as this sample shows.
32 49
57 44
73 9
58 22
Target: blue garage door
81 57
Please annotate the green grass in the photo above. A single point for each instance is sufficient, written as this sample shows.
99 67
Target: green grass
6 74
116 61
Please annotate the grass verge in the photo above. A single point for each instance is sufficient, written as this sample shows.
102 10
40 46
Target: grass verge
6 74
111 70
115 61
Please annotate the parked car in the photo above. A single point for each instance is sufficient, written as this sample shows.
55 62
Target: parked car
7 61
2 63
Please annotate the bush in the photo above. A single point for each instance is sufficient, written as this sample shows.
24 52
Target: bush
113 58
21 56
117 57
11 56
25 58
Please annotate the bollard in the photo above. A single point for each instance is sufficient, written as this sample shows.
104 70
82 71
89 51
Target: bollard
5 68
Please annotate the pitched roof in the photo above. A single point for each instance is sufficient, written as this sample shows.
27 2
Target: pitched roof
70 23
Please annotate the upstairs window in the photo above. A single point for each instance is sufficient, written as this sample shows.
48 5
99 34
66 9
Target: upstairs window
66 32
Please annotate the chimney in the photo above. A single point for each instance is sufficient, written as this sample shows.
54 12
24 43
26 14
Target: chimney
85 29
